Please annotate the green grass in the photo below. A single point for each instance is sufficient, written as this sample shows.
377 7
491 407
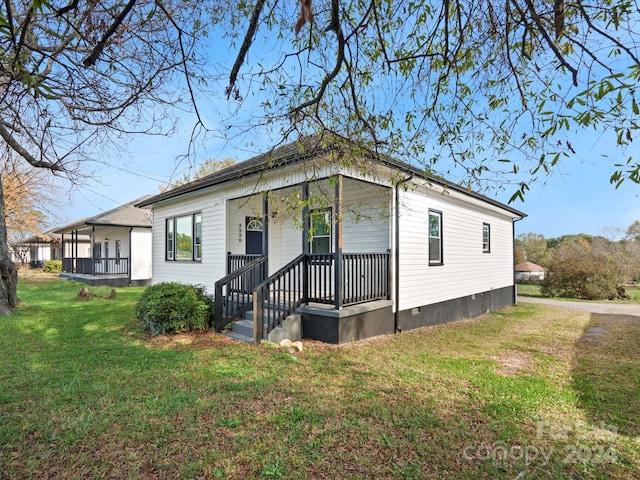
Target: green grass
534 291
84 394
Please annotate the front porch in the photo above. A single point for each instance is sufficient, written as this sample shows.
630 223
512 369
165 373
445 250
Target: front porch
112 272
343 260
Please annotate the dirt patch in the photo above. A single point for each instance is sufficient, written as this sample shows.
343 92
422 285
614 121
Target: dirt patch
513 362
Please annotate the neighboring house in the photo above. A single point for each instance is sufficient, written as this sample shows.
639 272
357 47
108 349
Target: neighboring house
118 252
356 246
36 250
529 271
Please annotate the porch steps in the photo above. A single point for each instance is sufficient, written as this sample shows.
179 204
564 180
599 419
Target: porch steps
242 330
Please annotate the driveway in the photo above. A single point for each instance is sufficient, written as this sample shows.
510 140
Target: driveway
615 308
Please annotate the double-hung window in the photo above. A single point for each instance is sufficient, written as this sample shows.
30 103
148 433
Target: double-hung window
435 237
486 238
184 238
320 231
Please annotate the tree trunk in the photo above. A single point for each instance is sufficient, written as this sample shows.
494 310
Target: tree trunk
8 272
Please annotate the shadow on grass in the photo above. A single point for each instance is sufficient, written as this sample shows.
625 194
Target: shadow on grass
606 372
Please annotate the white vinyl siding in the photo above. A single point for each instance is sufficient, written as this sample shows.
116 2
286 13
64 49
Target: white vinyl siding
466 270
139 254
212 267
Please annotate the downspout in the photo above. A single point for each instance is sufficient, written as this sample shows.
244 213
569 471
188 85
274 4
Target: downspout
129 260
513 236
396 253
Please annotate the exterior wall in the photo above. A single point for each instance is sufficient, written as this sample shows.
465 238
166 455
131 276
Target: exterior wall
140 254
366 219
466 270
84 247
110 235
214 245
530 275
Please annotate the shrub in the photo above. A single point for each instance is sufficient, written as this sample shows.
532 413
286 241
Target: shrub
575 272
52 266
174 308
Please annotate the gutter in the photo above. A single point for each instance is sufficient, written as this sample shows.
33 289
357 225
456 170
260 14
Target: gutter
396 253
513 269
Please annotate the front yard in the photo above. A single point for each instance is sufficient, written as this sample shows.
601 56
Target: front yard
534 391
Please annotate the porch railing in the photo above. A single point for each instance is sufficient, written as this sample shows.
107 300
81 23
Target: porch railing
310 278
96 266
237 261
234 293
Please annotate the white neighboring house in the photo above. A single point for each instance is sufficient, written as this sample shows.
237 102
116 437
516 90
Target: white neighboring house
357 246
529 271
118 252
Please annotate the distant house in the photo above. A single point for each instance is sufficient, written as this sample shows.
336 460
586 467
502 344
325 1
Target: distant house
354 244
112 248
529 271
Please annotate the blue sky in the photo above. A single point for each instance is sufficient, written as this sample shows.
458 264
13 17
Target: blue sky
577 198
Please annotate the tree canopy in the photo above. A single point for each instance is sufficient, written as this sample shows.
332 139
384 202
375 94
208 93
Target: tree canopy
500 89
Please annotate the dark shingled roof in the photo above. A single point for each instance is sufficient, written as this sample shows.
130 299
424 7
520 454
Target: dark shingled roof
127 215
307 148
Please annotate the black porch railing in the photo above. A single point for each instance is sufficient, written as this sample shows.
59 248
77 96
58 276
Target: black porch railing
96 266
234 293
310 278
237 261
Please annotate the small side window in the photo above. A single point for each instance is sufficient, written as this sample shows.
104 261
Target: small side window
435 238
486 238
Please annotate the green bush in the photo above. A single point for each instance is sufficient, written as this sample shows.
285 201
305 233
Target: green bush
174 308
576 272
52 266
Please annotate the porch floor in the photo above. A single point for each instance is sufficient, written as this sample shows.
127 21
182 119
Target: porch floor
103 280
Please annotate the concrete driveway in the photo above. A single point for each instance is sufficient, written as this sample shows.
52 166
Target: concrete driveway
614 308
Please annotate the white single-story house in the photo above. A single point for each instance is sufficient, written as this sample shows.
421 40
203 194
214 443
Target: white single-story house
529 271
355 244
118 251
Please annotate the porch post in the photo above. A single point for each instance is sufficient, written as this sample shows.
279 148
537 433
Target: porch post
265 229
306 222
74 250
337 261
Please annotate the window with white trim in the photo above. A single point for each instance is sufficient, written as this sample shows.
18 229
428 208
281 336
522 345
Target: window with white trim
486 238
435 237
184 238
320 234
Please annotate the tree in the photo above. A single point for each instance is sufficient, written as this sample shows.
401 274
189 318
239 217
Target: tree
577 271
533 247
209 166
75 77
28 194
633 232
498 89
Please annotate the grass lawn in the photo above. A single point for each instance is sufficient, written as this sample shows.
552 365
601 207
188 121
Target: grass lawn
540 390
534 291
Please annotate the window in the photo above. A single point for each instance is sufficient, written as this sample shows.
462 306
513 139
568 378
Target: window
170 242
117 252
435 237
197 236
97 251
320 231
486 238
184 238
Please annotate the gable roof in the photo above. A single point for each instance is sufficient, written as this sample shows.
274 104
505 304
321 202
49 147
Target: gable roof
127 215
529 267
307 148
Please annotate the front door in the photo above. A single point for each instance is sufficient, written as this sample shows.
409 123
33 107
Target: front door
254 229
106 255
